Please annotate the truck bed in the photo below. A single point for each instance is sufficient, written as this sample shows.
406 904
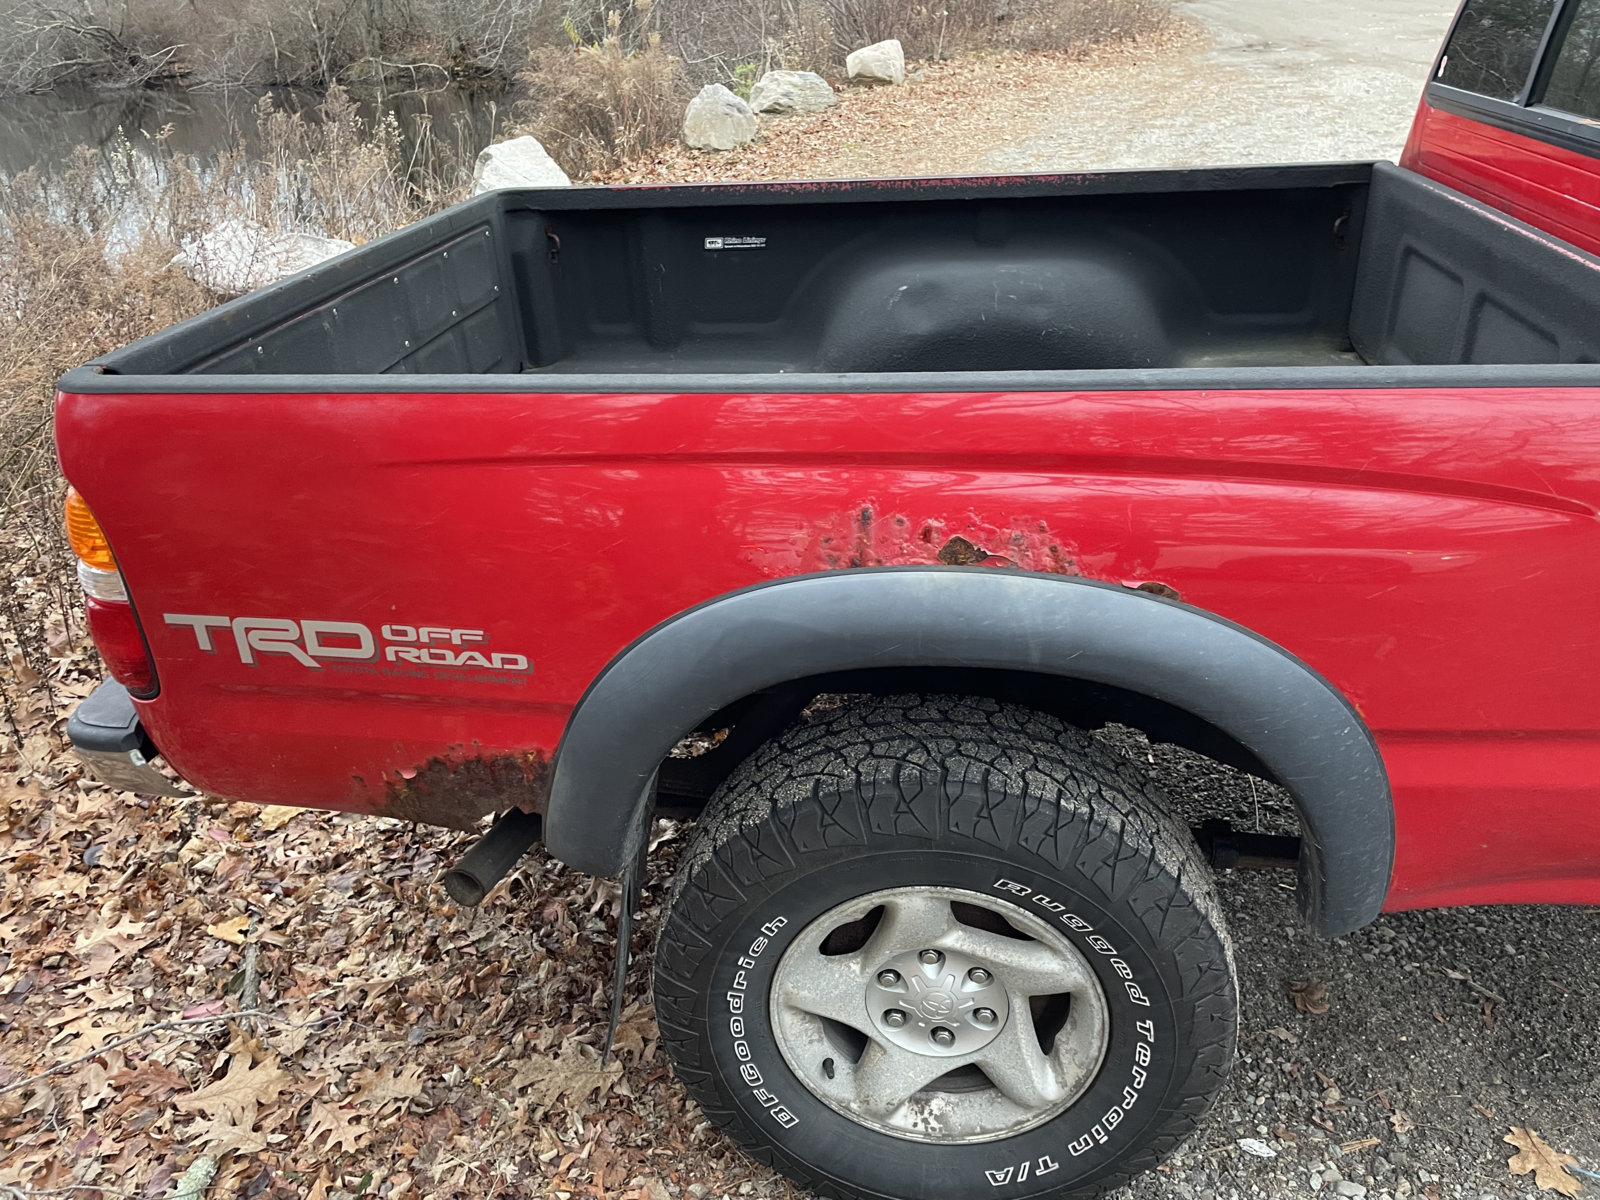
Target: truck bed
1254 275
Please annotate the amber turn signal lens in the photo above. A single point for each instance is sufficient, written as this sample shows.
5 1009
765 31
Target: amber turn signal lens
83 531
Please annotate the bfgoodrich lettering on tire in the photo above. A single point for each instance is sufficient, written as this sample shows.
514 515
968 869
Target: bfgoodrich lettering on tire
944 948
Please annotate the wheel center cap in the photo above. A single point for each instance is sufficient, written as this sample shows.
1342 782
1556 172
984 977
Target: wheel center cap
941 1003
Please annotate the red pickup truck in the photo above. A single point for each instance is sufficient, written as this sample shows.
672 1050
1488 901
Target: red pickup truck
881 497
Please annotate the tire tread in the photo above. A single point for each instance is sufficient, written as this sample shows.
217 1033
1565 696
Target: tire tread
1071 801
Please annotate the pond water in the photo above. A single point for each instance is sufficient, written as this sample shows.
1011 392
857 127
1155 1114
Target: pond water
44 130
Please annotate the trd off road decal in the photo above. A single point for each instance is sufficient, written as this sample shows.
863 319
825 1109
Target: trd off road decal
422 651
1100 1131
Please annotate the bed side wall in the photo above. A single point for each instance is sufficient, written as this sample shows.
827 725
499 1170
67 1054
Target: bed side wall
1446 279
438 297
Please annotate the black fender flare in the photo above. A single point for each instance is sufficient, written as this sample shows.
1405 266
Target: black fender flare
692 665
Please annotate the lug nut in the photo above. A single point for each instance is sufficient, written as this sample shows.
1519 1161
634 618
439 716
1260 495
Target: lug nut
888 978
984 1016
894 1018
980 977
942 1036
931 958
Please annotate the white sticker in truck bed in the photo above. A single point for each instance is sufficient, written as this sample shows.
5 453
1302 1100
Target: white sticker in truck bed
736 243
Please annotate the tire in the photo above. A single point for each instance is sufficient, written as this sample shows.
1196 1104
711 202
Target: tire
1004 870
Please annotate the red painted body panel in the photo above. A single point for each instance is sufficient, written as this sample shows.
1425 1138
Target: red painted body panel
1434 553
1547 186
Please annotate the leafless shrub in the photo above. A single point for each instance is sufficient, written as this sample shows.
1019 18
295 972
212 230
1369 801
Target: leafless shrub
594 106
429 42
122 45
931 29
1077 24
809 42
125 43
486 37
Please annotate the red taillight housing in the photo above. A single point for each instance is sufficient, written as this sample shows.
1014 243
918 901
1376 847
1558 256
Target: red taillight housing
112 622
121 644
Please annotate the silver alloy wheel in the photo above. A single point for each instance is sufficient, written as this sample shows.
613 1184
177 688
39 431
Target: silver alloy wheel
926 1030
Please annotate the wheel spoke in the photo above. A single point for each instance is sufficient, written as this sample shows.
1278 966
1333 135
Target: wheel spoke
909 922
1031 968
827 986
1017 1066
887 1076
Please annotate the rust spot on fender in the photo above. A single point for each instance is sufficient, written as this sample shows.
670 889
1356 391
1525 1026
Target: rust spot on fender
1157 588
457 791
866 536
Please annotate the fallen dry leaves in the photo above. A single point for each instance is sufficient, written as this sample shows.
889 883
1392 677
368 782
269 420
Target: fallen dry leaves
1310 996
394 1039
1548 1166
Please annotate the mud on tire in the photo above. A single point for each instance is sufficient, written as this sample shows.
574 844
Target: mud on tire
1008 900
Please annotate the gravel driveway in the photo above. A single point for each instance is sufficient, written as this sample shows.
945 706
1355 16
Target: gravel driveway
1280 81
1401 1036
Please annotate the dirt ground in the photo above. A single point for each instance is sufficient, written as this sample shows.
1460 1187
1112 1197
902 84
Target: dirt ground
397 1046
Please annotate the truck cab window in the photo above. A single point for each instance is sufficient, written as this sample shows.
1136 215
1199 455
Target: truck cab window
1575 82
1492 48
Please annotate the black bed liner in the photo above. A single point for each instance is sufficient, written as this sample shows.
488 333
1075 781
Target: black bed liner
1335 275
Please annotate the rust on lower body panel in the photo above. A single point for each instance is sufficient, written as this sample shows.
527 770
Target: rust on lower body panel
457 791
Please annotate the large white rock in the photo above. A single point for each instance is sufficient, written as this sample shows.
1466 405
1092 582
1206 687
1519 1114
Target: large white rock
791 92
717 120
520 162
237 256
883 62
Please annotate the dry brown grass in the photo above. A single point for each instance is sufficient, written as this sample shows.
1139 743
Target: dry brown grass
595 106
935 31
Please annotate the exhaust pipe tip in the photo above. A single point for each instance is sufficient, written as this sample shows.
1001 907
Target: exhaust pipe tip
465 888
471 880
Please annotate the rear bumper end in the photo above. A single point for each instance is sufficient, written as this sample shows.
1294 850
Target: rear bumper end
106 734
